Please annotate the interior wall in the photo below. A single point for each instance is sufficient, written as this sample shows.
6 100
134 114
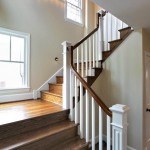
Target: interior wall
44 20
146 48
121 82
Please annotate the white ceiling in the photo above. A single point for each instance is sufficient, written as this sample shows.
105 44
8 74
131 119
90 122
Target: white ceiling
136 13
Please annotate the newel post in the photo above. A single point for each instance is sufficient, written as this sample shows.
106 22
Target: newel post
101 34
119 127
66 75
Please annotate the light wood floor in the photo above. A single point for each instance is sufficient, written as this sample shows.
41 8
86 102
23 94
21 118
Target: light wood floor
16 111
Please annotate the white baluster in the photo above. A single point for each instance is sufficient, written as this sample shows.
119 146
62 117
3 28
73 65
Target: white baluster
109 29
76 101
81 111
87 116
78 59
97 49
100 129
86 57
82 61
90 57
108 133
71 95
94 51
106 32
93 124
119 127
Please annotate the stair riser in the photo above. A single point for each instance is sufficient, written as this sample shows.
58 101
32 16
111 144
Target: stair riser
105 55
32 124
49 142
51 98
114 44
123 33
59 80
56 89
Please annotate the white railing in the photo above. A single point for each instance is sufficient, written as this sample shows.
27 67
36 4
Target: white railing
110 27
88 56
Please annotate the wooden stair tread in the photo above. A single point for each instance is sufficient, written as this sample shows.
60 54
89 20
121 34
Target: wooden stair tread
72 144
57 84
26 110
127 28
50 93
117 40
35 135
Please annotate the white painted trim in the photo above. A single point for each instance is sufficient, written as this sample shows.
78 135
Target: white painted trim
105 140
52 79
15 97
26 37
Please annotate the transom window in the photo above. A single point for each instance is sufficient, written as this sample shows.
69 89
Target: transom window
74 10
14 59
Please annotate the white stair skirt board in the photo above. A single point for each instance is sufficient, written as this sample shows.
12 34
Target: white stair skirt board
15 97
52 79
105 140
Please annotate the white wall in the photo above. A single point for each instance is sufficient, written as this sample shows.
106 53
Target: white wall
122 82
44 20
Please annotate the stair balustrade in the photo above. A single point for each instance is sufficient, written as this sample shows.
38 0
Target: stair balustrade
83 63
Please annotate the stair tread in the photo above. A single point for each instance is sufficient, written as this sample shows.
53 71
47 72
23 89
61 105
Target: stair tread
72 144
35 135
57 84
50 93
59 76
124 29
115 40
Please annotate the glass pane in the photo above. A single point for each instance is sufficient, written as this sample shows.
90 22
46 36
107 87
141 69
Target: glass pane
73 13
17 49
75 2
11 75
4 47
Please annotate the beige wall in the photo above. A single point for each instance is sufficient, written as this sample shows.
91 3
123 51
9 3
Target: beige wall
44 20
146 48
122 82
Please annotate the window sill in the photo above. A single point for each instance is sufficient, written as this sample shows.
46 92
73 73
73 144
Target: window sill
74 22
15 90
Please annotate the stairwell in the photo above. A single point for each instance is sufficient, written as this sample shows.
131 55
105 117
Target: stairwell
44 124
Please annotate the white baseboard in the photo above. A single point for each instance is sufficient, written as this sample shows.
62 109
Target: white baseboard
105 139
15 97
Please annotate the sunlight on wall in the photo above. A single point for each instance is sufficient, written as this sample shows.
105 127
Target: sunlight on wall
59 3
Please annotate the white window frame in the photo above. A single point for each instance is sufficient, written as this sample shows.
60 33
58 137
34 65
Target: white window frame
73 21
26 37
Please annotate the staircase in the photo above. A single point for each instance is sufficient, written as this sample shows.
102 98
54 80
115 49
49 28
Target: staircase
44 125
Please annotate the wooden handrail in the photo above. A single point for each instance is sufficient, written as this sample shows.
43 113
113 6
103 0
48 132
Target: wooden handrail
92 32
88 88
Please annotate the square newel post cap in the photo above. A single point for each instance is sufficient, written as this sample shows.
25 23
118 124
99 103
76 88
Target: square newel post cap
119 108
101 12
66 43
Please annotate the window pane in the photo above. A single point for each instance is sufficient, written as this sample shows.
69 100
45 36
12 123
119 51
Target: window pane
17 49
75 2
4 47
11 75
74 13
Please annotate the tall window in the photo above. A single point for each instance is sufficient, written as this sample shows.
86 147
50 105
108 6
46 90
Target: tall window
14 59
74 10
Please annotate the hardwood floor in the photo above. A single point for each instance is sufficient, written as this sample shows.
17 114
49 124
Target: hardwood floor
17 111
